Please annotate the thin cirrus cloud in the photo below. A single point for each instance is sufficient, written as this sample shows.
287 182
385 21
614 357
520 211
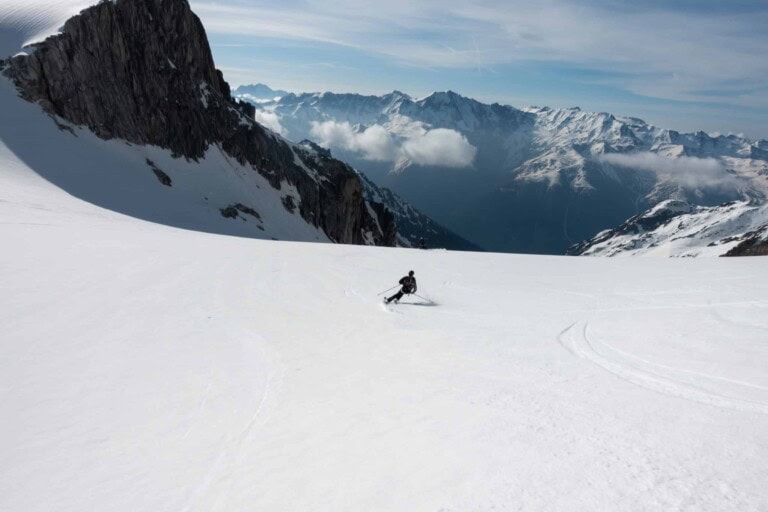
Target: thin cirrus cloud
664 50
436 147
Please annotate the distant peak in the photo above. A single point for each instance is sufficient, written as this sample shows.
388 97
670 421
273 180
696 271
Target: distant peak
260 90
443 97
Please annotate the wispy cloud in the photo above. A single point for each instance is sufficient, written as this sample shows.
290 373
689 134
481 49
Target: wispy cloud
688 172
659 51
271 121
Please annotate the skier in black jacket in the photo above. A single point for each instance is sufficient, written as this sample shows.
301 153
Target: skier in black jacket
409 286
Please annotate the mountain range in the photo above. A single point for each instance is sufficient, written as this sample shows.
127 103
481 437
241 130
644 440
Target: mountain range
535 179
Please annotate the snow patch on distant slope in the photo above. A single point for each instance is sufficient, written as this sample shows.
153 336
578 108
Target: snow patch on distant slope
678 229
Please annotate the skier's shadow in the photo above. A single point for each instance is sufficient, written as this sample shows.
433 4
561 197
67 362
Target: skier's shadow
423 304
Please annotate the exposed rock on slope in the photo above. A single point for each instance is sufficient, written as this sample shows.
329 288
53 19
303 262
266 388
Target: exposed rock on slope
676 228
754 243
142 71
412 225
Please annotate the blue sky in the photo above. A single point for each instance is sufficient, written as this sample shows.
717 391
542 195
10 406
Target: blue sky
685 64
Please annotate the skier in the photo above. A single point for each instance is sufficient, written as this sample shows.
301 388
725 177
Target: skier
409 287
422 243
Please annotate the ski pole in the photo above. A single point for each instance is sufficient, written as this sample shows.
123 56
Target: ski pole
422 298
385 291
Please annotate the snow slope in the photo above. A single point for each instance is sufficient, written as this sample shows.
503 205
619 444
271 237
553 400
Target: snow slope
679 229
120 176
146 367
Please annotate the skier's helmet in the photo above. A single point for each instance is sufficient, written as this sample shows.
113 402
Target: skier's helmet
410 273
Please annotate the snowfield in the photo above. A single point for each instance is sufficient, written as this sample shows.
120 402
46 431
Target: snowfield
147 367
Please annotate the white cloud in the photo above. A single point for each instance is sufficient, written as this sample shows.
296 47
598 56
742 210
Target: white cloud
374 143
686 171
440 147
271 121
408 142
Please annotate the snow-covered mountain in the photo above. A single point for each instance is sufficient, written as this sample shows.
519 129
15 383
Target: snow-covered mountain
533 179
677 228
140 121
258 93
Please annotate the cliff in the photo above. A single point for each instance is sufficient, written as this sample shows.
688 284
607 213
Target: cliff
142 71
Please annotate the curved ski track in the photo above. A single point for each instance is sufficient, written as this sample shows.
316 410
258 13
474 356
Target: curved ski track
684 384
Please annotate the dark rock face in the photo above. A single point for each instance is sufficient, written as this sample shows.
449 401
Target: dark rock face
142 70
134 69
754 244
230 212
410 225
414 226
162 177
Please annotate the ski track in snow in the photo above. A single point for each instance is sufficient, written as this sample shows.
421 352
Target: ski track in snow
680 383
231 453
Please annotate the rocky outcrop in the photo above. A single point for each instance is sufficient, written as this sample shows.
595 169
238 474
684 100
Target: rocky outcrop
676 228
754 243
142 71
410 225
634 227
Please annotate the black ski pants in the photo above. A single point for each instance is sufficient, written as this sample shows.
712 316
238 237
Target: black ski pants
398 295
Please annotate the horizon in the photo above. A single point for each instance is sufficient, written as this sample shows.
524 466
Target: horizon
686 66
520 107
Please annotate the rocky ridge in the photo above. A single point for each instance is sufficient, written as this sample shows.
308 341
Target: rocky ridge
677 228
142 71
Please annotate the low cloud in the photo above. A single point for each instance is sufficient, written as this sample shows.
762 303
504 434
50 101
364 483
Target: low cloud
686 171
271 121
439 147
374 143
